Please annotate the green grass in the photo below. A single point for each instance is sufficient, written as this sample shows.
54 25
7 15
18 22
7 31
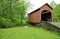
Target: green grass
27 33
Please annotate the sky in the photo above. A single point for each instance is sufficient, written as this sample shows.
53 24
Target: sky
38 3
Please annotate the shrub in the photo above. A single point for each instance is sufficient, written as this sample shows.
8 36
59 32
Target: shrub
16 21
24 22
5 22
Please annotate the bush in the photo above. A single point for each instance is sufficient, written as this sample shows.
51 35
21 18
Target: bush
24 22
16 21
5 23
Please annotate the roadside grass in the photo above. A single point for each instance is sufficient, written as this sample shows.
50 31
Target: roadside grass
28 33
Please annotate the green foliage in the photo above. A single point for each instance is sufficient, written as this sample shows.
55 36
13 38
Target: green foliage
5 22
57 13
17 21
14 10
53 4
24 22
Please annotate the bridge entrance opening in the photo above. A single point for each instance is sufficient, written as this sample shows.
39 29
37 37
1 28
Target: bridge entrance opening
46 16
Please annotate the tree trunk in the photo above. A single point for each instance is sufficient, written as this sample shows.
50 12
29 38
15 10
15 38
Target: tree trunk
10 9
2 9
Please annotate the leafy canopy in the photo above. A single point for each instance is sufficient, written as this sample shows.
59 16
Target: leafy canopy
57 13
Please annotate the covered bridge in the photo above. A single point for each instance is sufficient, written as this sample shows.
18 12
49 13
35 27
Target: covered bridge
43 13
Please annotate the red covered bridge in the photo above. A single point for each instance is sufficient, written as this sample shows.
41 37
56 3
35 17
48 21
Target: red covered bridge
43 13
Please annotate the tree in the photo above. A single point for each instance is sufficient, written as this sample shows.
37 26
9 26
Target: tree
57 13
20 8
14 10
53 4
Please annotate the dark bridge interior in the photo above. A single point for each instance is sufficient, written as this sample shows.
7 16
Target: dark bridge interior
46 16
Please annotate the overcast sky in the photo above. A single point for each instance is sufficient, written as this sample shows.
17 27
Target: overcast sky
38 3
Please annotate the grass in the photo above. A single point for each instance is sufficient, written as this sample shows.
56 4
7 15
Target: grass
27 33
